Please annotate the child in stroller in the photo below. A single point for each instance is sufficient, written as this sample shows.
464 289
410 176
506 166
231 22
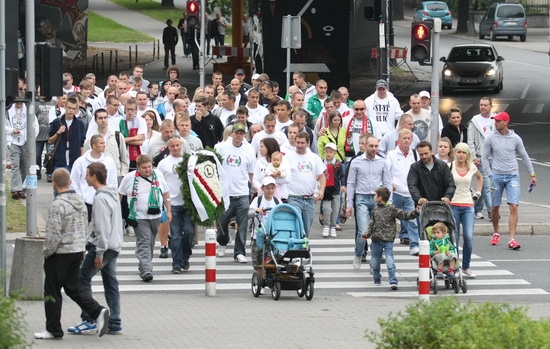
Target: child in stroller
442 250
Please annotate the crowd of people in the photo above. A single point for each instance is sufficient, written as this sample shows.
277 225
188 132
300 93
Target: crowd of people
314 146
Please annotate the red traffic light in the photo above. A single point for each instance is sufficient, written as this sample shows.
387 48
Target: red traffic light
421 32
192 7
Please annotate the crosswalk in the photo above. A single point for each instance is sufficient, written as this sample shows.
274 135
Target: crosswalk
334 274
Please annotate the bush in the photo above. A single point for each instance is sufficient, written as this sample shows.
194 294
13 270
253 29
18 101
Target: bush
12 325
446 322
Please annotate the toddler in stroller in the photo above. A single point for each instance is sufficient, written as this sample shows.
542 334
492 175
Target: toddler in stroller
442 251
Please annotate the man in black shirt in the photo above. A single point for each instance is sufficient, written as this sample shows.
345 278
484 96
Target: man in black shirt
170 40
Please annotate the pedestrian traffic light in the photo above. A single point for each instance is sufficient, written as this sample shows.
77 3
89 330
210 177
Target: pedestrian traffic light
421 42
192 13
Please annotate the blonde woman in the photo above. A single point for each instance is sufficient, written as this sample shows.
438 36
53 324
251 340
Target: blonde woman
462 204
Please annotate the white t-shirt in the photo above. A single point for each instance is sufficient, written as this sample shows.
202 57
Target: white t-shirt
280 125
238 163
258 137
422 123
167 167
487 125
144 187
304 172
264 204
257 115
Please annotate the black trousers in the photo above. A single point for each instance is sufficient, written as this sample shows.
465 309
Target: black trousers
63 271
169 50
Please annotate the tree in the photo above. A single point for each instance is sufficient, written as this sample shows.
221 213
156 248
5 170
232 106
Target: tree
166 3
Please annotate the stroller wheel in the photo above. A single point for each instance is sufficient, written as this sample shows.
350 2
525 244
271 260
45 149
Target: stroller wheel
464 286
434 285
309 290
256 284
456 285
276 290
302 291
447 284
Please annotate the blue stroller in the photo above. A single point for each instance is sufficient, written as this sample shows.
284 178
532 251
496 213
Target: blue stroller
286 257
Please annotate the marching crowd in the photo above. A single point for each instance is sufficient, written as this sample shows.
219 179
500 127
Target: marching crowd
125 141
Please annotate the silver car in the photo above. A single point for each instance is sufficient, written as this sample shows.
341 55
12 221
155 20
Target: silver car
472 67
504 20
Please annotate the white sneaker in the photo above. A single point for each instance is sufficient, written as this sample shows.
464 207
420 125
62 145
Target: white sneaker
326 232
221 250
333 232
357 262
468 273
130 231
479 215
102 322
240 258
45 335
414 251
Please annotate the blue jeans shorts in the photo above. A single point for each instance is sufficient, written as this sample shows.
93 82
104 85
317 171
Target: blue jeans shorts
508 182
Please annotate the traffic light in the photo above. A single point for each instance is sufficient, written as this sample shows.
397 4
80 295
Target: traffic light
192 15
421 45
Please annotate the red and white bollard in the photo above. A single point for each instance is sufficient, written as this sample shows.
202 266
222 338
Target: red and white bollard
210 262
424 271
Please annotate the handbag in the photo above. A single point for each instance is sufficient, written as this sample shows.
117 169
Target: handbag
48 158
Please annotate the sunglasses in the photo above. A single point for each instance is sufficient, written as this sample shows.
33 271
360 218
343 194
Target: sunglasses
358 109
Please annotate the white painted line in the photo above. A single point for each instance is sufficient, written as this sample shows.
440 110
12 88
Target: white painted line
525 90
470 293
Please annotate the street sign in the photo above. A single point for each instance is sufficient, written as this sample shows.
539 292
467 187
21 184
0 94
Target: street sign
291 34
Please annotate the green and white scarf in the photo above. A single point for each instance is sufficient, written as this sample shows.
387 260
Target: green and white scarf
155 195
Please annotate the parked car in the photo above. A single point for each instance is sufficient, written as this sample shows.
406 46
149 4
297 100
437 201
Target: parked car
434 9
504 20
472 67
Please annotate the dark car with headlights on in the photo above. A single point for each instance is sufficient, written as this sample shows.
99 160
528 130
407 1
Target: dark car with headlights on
472 67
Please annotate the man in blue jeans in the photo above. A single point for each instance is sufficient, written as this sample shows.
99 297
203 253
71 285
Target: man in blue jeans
399 161
501 147
104 245
366 173
182 230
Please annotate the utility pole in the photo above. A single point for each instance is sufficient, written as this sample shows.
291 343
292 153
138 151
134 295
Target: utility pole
30 154
3 271
434 129
383 42
202 13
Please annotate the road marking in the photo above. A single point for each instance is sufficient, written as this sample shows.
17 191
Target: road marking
443 292
525 90
533 108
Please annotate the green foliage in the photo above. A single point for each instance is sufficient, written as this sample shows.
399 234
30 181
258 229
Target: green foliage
101 29
213 212
152 9
445 322
225 6
12 325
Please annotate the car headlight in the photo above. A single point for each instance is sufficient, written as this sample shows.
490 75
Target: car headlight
448 73
491 72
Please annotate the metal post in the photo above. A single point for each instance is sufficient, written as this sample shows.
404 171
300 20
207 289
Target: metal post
203 41
210 262
424 271
30 153
383 42
434 128
3 271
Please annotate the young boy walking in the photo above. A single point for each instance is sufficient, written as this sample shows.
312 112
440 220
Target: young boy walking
382 231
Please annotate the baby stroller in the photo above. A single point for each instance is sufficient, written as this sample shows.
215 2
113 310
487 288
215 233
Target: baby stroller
431 213
286 258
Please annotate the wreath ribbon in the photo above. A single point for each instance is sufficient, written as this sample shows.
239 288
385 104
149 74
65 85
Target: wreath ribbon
201 210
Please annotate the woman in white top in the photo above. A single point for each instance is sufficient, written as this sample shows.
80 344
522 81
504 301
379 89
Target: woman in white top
267 147
462 204
152 129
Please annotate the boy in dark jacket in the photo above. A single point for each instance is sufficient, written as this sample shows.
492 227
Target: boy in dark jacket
382 231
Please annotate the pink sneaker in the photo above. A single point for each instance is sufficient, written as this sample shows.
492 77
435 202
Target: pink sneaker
495 238
513 245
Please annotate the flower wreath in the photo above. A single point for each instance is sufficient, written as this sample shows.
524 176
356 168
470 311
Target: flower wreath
203 192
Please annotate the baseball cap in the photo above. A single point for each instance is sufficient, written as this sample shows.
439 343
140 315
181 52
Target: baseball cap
239 127
502 116
239 72
424 94
268 180
331 146
255 76
382 83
